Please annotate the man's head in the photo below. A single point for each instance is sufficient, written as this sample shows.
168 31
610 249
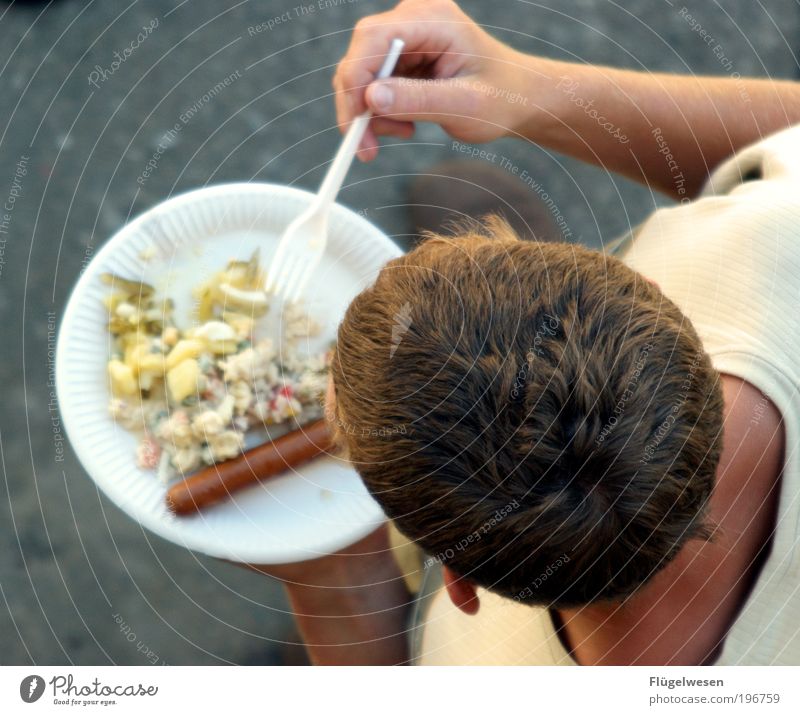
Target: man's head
537 416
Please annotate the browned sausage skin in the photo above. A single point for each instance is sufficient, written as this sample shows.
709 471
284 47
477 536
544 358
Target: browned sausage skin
218 481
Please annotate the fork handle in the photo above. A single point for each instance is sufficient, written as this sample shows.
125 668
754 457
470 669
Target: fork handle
347 149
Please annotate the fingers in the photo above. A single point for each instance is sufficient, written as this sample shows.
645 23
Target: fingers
368 47
381 126
377 127
424 100
421 24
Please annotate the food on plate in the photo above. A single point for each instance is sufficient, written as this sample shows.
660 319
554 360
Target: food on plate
192 393
217 482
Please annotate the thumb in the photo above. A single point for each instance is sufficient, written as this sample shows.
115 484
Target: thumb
420 99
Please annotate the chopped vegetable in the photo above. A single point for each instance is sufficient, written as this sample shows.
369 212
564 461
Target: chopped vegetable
182 379
184 349
254 301
123 382
131 288
193 393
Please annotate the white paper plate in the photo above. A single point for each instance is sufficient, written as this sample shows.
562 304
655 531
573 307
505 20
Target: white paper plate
319 508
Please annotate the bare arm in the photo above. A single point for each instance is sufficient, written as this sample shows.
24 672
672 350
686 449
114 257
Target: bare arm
350 607
666 131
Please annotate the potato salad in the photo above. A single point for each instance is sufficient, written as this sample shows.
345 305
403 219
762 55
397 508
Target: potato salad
192 393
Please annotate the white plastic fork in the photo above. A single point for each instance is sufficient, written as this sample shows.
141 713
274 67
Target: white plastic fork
303 242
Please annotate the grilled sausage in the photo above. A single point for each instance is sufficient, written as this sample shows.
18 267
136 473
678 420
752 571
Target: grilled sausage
218 481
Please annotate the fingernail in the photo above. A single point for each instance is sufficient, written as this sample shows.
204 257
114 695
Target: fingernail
382 97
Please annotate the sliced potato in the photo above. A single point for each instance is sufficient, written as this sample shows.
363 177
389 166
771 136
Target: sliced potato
120 326
182 380
170 336
242 324
132 288
205 303
123 382
223 347
112 300
126 310
131 339
152 363
253 302
232 316
183 350
213 330
235 275
147 380
134 352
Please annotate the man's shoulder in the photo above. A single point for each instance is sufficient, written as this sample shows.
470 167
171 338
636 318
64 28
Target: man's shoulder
503 632
774 159
682 616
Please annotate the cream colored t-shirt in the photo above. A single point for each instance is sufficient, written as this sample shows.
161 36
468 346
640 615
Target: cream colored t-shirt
731 261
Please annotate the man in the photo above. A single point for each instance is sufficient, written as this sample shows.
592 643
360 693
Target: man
600 453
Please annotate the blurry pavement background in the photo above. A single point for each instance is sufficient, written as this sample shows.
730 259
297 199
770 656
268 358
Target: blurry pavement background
76 132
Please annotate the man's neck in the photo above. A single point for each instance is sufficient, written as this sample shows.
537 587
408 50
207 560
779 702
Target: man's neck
682 615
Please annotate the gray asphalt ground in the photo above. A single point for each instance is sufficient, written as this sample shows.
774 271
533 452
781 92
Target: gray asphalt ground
76 575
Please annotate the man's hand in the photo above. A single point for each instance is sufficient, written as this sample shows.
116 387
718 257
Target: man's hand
348 567
451 72
350 606
665 131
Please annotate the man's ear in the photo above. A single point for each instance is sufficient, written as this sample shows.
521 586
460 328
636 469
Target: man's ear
462 593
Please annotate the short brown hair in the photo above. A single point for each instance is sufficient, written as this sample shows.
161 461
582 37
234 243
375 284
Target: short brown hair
537 416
